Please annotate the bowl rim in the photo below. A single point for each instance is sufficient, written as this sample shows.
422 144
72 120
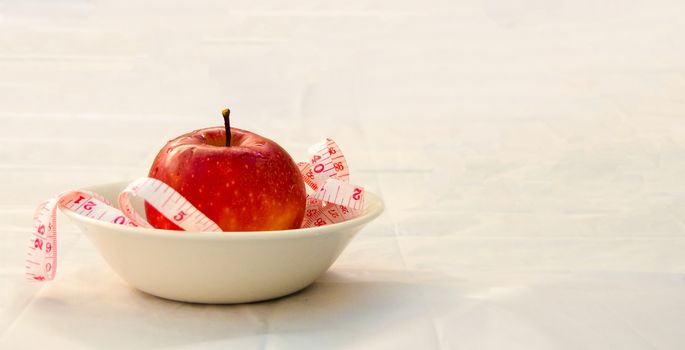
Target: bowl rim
374 209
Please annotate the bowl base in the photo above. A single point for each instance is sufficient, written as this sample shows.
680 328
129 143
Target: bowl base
224 301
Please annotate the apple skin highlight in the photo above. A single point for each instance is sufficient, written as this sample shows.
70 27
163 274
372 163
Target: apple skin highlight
251 185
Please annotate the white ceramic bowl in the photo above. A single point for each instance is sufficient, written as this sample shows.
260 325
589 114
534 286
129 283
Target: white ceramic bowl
218 268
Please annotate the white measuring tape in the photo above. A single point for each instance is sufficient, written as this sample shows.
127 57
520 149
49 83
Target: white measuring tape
333 200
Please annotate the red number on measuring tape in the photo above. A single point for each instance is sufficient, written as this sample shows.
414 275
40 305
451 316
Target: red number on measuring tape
89 205
119 220
318 168
331 150
338 166
310 174
315 158
41 229
48 247
80 198
181 214
319 222
333 213
311 212
38 243
357 195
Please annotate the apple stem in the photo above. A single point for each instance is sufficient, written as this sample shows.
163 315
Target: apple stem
227 123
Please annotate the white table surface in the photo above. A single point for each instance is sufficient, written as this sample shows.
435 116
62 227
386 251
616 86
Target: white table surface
531 155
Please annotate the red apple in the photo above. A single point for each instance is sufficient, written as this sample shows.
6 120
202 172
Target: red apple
249 183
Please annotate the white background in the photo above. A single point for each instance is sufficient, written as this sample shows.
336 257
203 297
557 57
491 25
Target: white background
531 155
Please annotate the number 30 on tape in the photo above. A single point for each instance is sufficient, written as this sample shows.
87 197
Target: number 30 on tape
332 199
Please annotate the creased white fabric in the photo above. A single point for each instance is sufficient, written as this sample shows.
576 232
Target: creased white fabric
531 155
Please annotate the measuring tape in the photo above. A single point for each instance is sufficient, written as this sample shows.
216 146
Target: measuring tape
331 199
